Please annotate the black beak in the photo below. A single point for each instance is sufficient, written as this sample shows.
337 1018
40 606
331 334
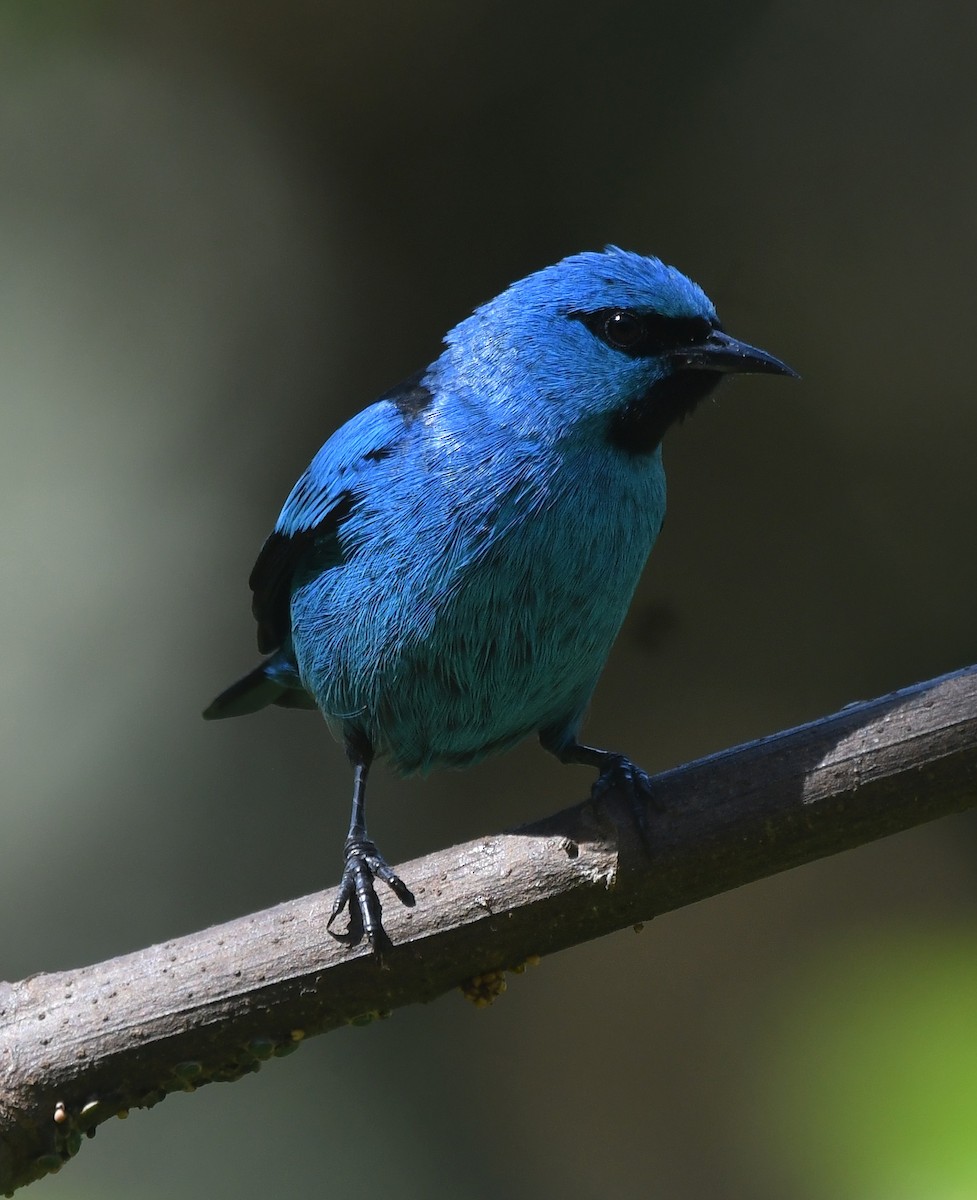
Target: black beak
720 352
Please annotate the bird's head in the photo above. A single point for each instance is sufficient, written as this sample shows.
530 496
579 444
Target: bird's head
609 343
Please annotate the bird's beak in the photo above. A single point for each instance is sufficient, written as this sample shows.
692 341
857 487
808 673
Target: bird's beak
720 352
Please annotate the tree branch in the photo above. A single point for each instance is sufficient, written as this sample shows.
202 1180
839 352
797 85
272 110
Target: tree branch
78 1047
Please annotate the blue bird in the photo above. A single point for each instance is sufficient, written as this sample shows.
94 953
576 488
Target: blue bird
449 574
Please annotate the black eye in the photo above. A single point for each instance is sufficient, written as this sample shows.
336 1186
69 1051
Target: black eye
623 329
645 334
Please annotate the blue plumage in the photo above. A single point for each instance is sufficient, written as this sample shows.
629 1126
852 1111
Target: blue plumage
449 574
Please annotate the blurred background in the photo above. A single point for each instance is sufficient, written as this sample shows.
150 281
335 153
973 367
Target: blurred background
224 228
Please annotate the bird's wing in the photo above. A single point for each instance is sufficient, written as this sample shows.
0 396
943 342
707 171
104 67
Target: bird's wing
322 499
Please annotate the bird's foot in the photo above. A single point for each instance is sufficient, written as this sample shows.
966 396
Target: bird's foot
620 774
364 863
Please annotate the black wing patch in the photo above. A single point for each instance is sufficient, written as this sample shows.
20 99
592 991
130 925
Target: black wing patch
410 397
271 578
316 540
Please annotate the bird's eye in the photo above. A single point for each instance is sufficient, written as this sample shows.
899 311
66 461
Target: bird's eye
623 329
644 334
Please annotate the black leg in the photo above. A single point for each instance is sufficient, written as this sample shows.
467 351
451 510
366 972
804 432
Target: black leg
364 863
617 772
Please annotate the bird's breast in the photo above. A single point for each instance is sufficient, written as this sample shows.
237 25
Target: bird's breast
483 613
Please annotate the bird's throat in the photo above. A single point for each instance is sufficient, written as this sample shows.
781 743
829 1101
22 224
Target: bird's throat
640 425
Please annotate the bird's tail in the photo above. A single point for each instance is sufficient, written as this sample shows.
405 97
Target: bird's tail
275 681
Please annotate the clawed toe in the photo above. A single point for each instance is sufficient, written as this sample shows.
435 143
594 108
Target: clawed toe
620 774
364 863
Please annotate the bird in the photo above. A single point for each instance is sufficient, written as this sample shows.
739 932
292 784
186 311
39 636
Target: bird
450 572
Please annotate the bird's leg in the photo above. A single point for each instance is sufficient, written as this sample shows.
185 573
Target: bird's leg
617 772
364 863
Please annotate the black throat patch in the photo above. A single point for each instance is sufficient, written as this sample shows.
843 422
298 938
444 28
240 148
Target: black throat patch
640 425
